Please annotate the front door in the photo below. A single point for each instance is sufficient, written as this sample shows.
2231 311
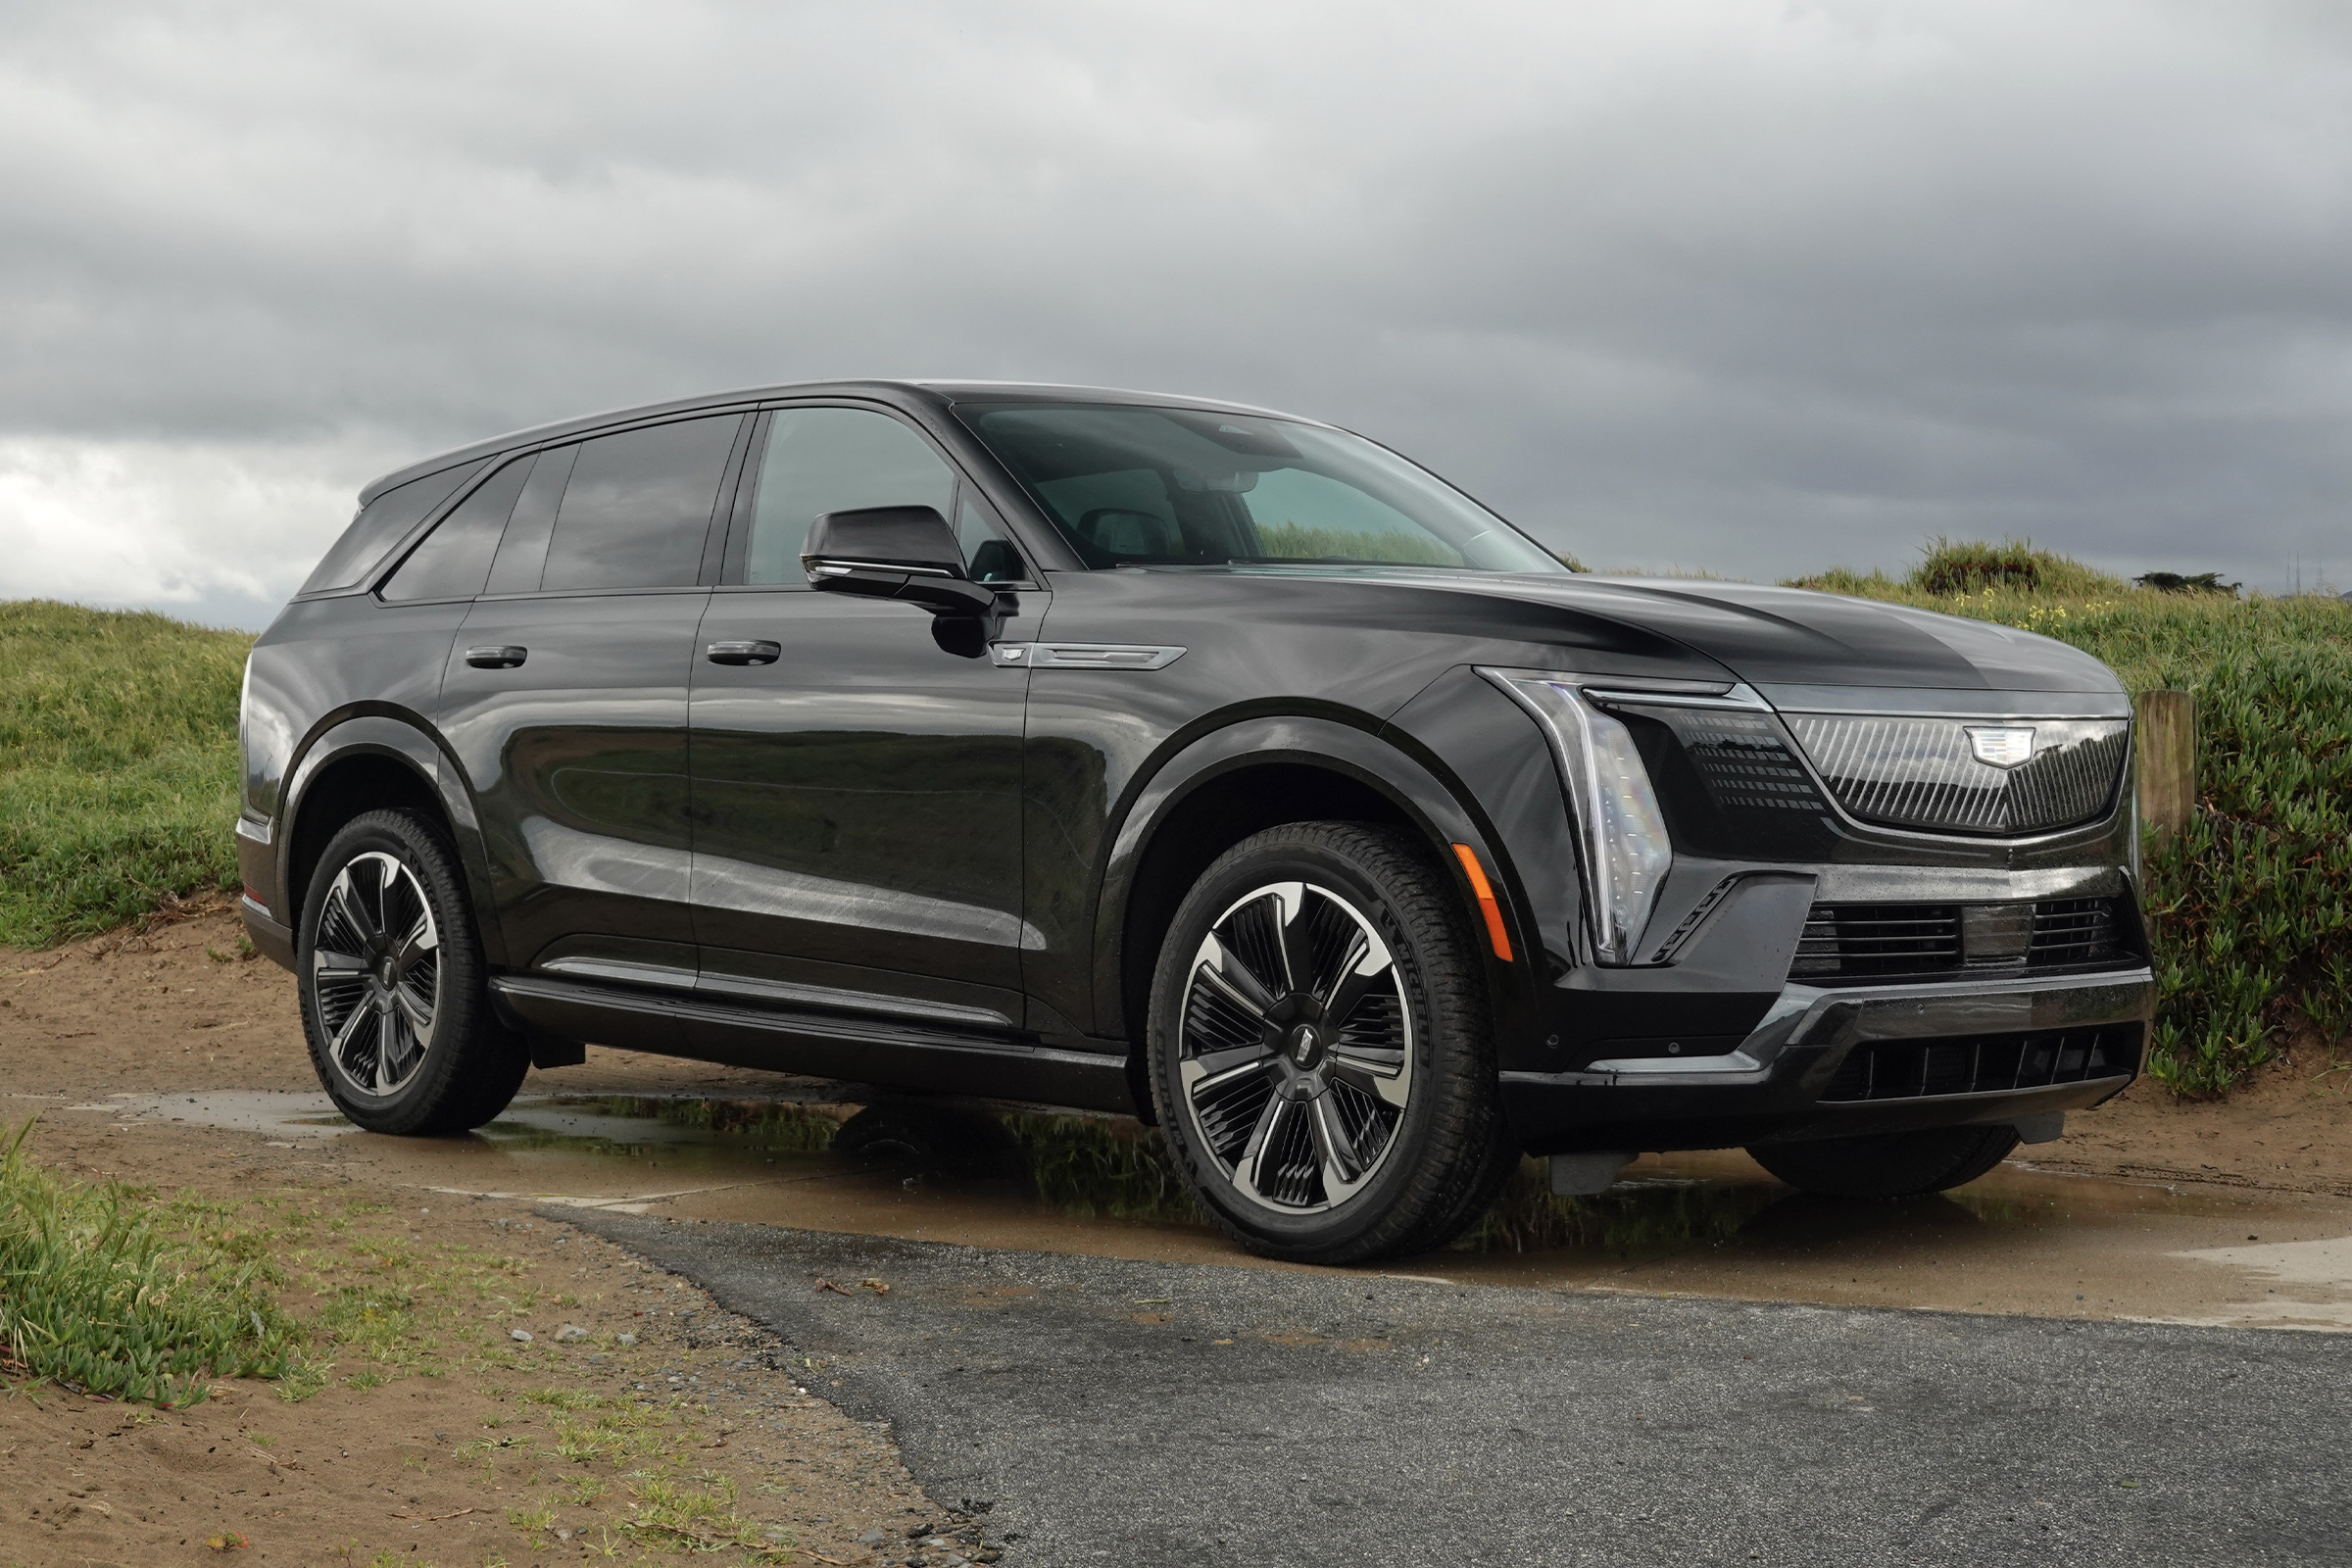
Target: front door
565 698
857 789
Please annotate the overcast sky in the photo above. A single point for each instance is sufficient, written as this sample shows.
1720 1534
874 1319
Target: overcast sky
1751 286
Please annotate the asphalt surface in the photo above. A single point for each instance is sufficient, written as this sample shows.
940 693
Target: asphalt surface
1094 1408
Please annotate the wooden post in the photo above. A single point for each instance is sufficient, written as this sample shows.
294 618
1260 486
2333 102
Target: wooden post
2168 760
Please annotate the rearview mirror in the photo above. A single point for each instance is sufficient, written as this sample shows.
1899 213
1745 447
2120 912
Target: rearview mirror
904 553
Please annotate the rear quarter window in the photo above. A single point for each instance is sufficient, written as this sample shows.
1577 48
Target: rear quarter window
383 524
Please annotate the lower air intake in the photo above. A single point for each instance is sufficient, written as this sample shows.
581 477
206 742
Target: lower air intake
1916 1069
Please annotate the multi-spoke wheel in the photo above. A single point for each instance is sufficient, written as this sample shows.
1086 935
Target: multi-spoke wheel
1319 1051
1297 1051
375 968
394 1000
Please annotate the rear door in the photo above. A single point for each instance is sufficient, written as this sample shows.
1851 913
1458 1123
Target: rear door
857 817
566 690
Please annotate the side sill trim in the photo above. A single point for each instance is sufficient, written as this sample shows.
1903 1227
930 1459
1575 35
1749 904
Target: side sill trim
781 1020
780 993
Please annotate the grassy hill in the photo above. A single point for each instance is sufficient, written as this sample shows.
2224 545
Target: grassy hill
117 765
117 778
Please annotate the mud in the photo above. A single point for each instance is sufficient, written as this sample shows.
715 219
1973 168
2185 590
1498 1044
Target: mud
2023 1240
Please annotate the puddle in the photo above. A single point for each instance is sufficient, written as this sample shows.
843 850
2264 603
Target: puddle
1715 1224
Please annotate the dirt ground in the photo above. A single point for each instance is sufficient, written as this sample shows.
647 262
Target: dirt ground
637 1422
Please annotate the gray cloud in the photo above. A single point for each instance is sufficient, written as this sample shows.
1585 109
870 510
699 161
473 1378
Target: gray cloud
1749 286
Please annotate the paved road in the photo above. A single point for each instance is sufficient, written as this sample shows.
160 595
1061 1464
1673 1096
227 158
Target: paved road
1368 1421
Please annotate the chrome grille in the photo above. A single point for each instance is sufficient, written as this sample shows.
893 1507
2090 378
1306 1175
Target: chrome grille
1921 772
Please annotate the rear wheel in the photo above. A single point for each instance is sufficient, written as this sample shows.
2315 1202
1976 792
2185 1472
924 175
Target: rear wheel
395 995
1889 1164
1320 1048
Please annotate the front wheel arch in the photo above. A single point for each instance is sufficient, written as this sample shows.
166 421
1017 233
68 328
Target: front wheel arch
1261 773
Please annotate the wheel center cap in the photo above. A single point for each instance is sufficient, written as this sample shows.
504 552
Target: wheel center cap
384 974
1305 1044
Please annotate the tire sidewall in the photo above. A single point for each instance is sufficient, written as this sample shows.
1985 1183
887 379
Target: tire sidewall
1276 857
416 1104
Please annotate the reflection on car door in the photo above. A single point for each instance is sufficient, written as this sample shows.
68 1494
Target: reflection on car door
565 697
856 840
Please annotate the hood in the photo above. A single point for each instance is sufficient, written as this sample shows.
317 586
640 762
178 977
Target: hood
1804 649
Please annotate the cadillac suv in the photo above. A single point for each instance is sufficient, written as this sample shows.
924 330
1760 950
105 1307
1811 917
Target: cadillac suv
1157 755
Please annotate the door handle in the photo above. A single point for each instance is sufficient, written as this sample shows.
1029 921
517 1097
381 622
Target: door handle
496 658
760 651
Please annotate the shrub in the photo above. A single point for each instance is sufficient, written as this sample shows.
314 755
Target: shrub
1967 567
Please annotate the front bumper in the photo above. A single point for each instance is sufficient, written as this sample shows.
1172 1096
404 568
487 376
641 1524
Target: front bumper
1773 1086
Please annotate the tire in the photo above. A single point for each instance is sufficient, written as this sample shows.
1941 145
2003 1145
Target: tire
1347 1111
1889 1164
394 993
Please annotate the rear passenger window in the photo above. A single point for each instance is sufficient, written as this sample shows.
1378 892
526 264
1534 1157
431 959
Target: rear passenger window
638 508
835 459
383 524
454 561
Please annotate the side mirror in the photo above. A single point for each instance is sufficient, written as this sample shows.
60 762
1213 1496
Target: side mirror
904 553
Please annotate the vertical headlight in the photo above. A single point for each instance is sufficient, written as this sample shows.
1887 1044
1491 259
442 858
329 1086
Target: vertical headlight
1620 829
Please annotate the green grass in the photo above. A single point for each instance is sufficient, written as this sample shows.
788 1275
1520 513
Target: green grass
100 1293
117 765
2252 906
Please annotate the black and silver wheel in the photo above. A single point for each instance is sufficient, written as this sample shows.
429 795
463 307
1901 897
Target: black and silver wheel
1319 1047
1889 1164
394 1000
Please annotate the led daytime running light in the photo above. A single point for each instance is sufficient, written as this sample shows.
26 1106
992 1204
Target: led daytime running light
1621 831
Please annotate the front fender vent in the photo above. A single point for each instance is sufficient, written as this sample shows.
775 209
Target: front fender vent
1925 773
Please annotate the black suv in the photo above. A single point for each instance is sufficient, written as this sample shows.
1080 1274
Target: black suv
1158 756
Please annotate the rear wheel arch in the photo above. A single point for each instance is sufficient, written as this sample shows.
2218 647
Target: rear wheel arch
369 765
1238 782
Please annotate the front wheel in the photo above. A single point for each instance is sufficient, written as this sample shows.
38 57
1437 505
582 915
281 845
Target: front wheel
1320 1048
1889 1164
394 993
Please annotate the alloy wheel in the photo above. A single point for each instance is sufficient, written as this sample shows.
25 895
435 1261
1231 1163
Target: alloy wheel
376 971
1296 1048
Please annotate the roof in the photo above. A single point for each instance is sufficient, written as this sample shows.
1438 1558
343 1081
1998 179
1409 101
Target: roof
942 393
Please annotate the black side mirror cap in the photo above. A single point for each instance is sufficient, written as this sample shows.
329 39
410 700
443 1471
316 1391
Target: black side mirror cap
904 553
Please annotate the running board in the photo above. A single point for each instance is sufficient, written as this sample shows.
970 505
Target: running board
893 1054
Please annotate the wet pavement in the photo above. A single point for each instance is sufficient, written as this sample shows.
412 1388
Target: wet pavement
2020 1240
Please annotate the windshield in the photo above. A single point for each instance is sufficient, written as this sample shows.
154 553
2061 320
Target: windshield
1177 486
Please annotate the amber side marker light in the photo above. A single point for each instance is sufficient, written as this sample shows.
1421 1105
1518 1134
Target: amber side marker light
1487 906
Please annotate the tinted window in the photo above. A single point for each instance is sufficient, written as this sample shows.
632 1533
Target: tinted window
383 524
638 507
523 553
1184 485
454 561
835 459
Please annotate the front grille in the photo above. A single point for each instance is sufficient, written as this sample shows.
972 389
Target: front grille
1860 943
1914 1069
1924 772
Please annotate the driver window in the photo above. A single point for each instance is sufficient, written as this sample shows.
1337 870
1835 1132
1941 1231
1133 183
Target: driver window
835 459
